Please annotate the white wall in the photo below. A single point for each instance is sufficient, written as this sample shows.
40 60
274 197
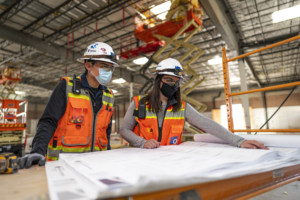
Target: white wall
286 118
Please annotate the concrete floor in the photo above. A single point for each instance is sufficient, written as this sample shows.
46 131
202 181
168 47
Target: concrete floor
288 192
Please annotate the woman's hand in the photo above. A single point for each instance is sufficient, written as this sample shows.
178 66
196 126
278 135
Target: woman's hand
151 144
253 144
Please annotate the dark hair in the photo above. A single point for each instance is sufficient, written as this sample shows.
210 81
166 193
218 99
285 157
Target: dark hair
153 98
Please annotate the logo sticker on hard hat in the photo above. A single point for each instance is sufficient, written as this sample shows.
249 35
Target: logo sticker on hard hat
103 50
173 140
177 67
93 46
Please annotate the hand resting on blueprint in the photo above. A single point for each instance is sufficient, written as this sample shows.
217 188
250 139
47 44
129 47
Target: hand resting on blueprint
253 144
151 144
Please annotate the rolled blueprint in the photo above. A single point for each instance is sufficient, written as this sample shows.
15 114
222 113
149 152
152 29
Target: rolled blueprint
268 140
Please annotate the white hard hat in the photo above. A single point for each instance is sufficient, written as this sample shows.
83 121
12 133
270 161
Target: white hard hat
170 66
100 51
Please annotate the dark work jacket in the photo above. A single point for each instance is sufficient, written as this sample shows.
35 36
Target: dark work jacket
55 109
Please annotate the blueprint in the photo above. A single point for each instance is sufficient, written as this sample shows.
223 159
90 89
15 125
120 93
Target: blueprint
131 171
292 141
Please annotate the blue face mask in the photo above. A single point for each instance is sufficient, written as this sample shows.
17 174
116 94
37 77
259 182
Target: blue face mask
104 76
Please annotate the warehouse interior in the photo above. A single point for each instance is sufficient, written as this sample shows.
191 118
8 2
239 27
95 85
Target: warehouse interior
44 39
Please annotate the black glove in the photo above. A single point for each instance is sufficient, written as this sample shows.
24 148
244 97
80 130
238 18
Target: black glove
31 159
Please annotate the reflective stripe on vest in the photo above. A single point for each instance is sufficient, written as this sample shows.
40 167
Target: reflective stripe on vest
172 127
72 136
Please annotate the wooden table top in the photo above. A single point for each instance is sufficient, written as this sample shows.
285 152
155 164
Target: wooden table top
27 184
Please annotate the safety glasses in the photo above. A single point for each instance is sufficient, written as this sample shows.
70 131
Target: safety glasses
171 82
102 65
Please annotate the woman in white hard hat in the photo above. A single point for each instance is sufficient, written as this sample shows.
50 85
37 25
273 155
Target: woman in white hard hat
77 117
158 118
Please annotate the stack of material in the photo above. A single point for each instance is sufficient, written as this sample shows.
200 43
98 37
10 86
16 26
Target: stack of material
130 171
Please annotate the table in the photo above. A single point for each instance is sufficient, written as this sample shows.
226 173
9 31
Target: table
31 184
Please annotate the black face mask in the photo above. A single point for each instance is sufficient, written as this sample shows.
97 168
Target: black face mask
167 90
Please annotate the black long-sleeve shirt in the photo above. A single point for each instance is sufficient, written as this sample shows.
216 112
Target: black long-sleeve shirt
55 109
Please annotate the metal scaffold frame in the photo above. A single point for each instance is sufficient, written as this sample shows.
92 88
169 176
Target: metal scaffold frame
9 79
229 95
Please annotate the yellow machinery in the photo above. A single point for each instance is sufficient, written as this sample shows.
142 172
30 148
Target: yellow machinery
8 163
183 19
9 78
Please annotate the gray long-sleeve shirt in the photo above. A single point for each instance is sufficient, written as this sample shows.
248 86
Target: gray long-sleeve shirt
192 116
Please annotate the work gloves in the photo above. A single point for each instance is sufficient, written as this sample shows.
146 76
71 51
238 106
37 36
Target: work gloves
31 159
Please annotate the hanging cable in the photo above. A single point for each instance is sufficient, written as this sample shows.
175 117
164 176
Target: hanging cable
277 109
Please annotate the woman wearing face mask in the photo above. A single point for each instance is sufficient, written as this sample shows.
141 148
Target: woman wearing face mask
77 117
158 118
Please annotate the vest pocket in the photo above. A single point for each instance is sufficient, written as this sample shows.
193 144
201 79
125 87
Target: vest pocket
103 142
78 117
146 132
75 140
175 135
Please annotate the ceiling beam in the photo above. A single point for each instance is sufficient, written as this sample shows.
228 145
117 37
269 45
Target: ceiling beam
47 14
262 43
31 41
224 21
221 21
100 12
58 51
10 7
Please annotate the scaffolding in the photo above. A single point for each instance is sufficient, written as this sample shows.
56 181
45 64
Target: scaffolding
9 79
186 24
229 95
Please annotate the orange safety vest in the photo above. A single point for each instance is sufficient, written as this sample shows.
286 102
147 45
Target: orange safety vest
172 127
77 131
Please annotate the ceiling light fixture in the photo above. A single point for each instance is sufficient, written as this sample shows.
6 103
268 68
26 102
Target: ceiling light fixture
140 61
217 60
120 80
19 92
161 8
286 14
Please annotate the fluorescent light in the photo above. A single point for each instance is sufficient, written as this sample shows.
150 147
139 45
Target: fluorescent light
120 80
215 61
114 91
286 14
140 61
19 92
94 3
113 121
161 8
143 16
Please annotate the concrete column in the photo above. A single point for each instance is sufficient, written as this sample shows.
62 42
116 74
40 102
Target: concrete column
244 87
35 111
131 91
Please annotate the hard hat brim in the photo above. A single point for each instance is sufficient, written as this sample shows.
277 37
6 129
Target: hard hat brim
81 60
153 75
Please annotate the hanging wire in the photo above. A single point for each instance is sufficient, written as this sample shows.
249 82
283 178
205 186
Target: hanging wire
277 109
